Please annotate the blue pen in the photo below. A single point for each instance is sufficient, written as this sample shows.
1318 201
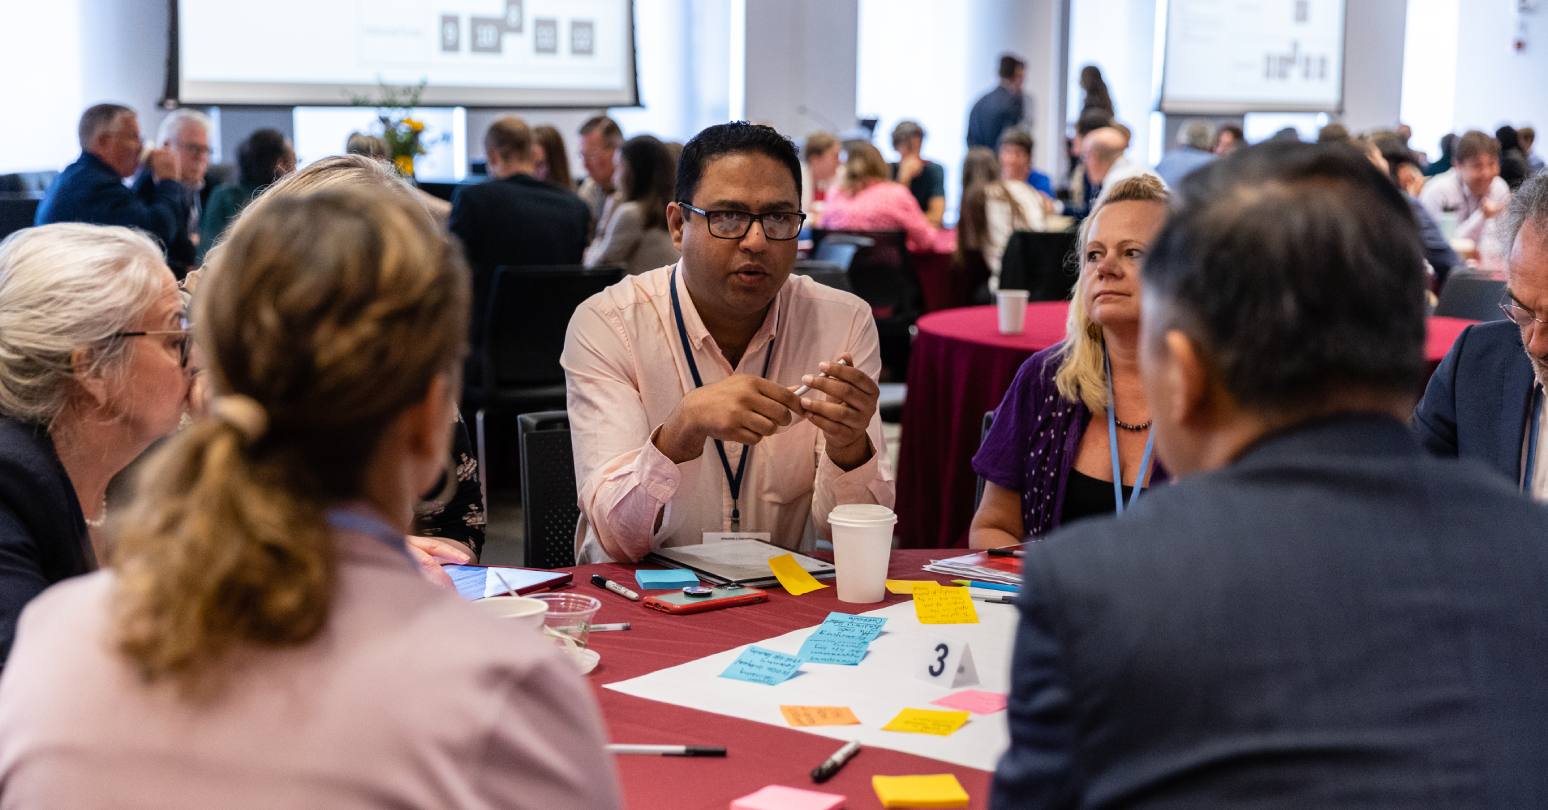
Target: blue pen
993 586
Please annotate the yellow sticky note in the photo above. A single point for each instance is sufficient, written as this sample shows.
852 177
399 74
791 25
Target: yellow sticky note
944 606
927 721
791 575
910 585
934 790
802 716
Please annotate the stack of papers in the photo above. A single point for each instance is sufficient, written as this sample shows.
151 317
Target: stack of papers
979 566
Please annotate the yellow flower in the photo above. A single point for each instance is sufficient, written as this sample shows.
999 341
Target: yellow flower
413 125
404 164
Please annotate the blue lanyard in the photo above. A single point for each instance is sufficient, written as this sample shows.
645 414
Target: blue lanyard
1532 426
346 519
733 481
1112 443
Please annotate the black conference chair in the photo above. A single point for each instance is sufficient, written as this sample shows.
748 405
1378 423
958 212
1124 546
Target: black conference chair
841 250
1040 262
1474 296
826 273
550 507
17 211
528 312
881 273
978 495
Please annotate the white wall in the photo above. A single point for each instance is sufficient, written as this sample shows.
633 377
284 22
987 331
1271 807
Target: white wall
800 71
1373 63
1496 84
1118 36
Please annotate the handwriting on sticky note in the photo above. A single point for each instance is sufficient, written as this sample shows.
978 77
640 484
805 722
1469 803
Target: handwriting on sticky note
927 721
944 606
845 625
760 665
974 700
797 580
779 797
933 790
803 716
820 649
908 585
656 579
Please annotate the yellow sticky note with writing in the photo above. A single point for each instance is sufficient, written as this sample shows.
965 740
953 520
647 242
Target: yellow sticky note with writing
944 606
802 716
791 575
910 585
933 790
927 721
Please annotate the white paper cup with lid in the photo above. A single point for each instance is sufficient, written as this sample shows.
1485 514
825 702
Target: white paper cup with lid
862 547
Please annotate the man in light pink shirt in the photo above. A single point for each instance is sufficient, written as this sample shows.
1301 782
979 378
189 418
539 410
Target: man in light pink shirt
681 380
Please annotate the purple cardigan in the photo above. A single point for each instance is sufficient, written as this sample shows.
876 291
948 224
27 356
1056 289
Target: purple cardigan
1031 446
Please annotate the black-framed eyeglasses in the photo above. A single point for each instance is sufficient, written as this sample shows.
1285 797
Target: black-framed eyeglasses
1518 314
778 226
184 339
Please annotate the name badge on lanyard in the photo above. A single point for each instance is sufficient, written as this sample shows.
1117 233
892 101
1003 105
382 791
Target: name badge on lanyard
733 479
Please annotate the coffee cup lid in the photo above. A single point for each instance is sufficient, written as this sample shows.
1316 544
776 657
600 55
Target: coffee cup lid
862 514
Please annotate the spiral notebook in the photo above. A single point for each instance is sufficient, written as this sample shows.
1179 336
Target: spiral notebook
745 562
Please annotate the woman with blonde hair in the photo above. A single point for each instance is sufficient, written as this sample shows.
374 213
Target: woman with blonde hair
93 368
449 530
1072 436
868 200
262 639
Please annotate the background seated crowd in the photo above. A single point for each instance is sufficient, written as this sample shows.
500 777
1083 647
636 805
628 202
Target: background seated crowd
1225 447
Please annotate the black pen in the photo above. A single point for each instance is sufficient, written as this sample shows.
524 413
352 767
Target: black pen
603 582
831 765
1006 552
667 750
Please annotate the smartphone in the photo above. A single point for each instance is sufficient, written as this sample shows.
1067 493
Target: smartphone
724 597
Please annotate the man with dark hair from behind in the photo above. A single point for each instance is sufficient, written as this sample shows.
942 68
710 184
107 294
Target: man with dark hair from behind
1003 107
1317 614
1485 401
1388 153
676 375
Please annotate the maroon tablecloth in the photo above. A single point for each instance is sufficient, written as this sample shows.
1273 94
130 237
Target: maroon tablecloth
758 754
943 284
960 367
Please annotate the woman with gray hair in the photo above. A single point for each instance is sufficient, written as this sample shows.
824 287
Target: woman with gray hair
93 356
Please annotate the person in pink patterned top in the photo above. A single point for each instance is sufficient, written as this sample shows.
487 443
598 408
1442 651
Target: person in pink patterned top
868 201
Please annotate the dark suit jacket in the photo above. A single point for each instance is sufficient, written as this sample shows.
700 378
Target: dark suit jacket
42 531
1335 620
89 190
1477 403
516 221
180 248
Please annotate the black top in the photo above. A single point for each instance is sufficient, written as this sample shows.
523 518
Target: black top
927 185
1334 620
43 535
1085 496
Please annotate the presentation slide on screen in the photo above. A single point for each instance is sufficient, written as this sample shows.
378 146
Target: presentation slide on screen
1234 56
469 52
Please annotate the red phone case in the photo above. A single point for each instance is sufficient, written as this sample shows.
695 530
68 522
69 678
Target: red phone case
679 602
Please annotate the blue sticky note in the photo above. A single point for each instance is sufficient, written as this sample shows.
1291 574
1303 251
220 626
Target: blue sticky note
759 665
656 579
864 629
820 649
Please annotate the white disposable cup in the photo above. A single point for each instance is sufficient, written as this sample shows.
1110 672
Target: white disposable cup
522 610
1013 310
862 547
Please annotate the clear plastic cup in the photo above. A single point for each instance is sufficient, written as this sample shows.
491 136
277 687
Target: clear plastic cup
569 616
1013 310
523 610
862 547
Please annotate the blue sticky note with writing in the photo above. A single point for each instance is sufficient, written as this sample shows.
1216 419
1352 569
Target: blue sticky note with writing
843 625
760 665
656 579
820 649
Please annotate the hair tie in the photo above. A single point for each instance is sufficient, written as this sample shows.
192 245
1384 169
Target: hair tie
243 413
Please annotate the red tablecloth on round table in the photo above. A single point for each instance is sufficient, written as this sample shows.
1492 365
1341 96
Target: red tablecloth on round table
960 367
759 754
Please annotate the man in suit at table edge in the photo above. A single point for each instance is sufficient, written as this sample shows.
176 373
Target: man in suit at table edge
1318 613
681 380
1484 401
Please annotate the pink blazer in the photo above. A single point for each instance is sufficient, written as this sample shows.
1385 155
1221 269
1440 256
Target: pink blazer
408 698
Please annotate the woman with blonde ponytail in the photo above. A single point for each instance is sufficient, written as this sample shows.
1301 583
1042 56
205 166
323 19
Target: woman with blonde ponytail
1072 437
263 638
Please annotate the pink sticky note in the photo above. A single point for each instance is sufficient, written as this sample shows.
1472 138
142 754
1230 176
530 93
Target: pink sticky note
779 797
975 701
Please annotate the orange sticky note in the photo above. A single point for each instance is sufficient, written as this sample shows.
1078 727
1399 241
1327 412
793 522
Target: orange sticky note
927 721
933 790
910 585
944 606
802 716
791 575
